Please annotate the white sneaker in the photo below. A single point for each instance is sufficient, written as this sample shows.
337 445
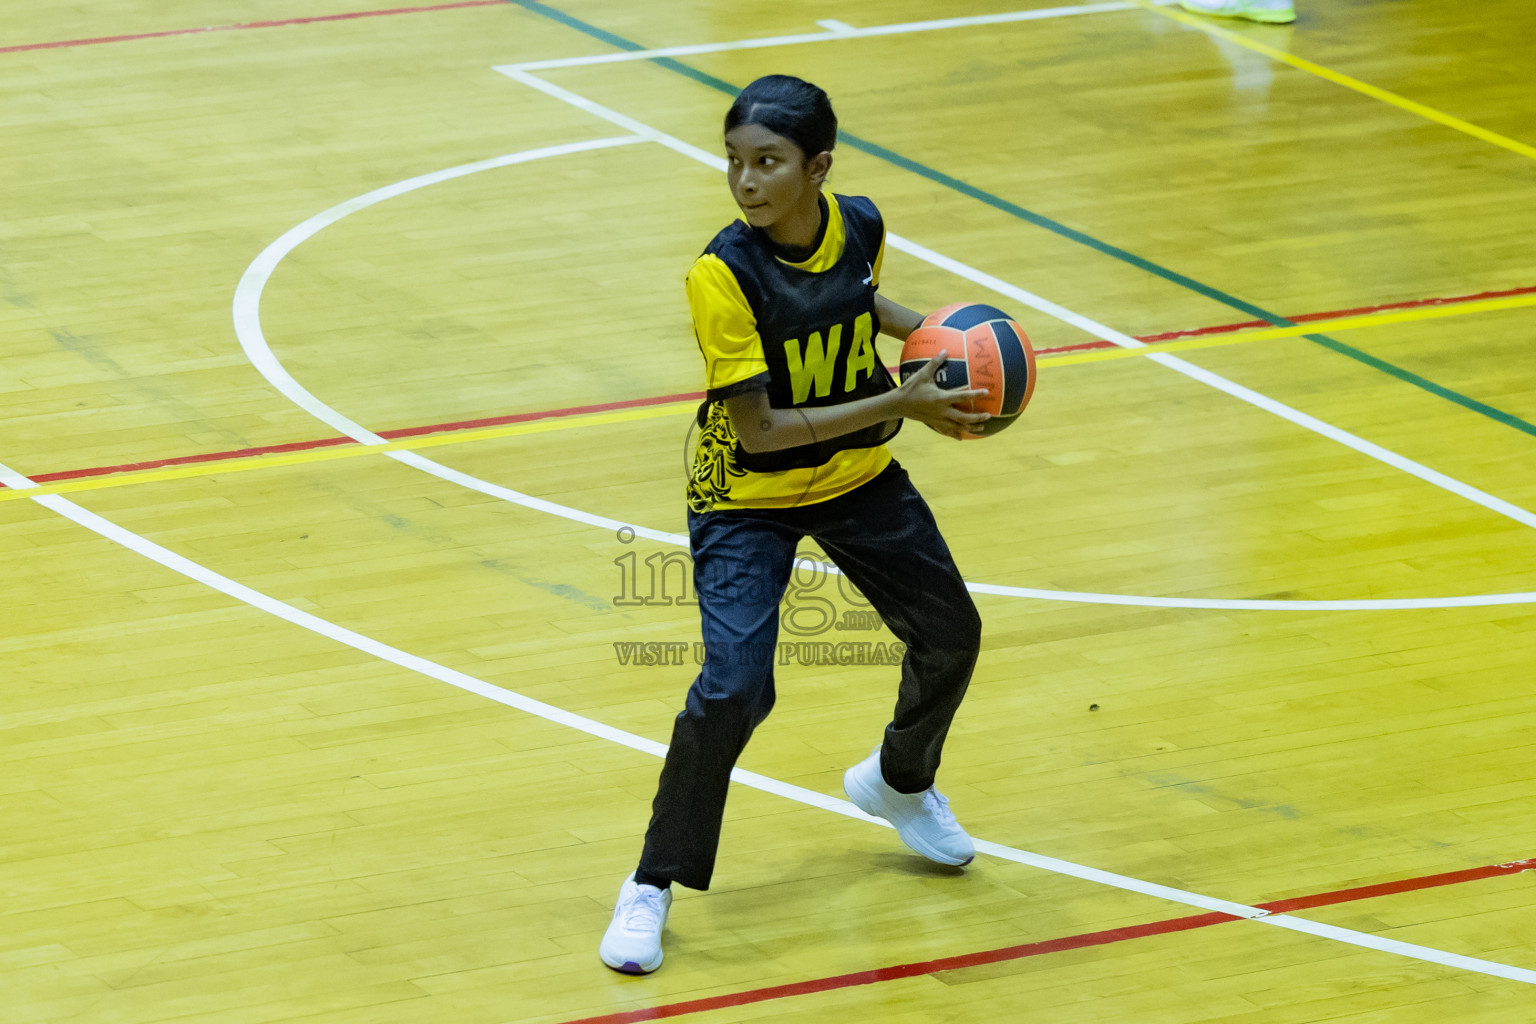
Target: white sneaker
1271 12
632 943
923 820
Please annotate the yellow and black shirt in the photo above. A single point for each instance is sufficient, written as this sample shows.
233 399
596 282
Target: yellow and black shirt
804 332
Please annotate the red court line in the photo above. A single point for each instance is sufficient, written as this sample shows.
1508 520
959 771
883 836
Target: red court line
251 24
183 460
575 410
493 421
1152 339
1361 311
1029 949
392 435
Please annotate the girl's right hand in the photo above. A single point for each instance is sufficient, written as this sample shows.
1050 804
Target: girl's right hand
919 398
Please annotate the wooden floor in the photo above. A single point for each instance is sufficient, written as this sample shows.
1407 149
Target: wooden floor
295 728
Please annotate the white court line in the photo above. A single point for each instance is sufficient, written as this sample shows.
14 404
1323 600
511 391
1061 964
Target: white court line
246 312
248 326
423 666
835 30
201 574
256 275
493 490
14 480
431 669
1059 312
1188 369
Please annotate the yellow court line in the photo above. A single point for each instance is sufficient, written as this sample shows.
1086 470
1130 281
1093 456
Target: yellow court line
315 455
1338 78
1402 316
145 476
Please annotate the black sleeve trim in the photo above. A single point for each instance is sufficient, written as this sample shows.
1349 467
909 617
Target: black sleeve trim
758 382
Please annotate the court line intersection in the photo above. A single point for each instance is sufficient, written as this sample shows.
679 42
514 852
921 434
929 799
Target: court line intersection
559 716
247 324
1022 951
1013 209
1339 78
246 313
835 30
292 453
305 620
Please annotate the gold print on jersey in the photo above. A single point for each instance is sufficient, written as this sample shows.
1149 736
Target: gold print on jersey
816 364
714 461
861 354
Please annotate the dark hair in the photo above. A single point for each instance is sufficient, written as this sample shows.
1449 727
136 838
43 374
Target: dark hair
787 106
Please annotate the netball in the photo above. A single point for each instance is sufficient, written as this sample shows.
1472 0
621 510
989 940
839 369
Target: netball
986 348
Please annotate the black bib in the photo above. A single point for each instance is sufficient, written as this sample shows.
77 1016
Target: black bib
818 331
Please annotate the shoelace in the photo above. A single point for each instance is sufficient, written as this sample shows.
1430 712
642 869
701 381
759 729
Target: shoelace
644 911
937 804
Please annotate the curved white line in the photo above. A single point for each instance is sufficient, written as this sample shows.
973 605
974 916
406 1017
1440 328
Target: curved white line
306 620
247 317
1059 312
423 666
248 291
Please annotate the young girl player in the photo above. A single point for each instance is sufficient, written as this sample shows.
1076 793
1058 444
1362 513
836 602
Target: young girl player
792 445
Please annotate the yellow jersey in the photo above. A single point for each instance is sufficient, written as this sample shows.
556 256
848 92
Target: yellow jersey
804 331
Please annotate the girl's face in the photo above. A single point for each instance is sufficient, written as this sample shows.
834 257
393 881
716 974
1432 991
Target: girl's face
772 181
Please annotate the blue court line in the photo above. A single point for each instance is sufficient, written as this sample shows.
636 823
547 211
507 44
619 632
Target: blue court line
1013 209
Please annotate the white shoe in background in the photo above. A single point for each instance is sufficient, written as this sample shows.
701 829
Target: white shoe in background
1270 12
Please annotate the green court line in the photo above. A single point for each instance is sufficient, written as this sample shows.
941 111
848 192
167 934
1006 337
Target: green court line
1057 228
